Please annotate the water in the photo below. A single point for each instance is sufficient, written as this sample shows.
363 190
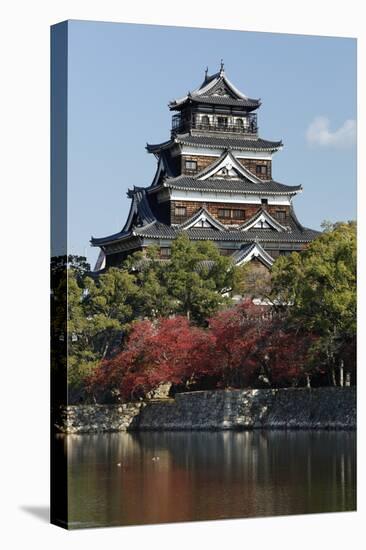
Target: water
151 477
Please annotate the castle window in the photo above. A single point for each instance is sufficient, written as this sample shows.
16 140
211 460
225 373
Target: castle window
205 121
281 215
264 201
180 211
261 169
224 213
222 122
165 252
239 124
191 165
238 214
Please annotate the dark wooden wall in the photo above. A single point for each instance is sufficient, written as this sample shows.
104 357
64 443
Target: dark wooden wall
204 161
213 207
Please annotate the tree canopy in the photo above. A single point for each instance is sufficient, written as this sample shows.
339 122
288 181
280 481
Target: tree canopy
191 283
101 309
152 321
318 287
241 347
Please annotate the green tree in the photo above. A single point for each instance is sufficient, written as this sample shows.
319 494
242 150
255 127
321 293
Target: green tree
194 282
81 355
67 274
320 286
99 313
100 310
152 299
109 305
196 277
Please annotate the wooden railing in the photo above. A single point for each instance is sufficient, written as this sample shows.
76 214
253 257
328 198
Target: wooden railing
247 125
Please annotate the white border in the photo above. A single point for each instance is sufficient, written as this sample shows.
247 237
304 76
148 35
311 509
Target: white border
211 152
200 196
25 219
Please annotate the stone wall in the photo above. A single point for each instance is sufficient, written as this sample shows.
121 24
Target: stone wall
330 408
247 409
97 418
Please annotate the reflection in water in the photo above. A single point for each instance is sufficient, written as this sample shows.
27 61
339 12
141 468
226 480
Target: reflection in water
151 477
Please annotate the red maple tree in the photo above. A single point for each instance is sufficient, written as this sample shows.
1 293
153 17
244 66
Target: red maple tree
254 346
169 350
287 355
239 333
244 346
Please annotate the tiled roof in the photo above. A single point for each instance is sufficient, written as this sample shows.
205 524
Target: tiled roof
169 170
238 143
141 223
162 231
157 147
165 168
219 100
244 254
230 185
140 213
101 241
217 89
158 230
232 142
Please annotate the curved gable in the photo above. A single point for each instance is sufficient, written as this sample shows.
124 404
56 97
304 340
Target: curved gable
262 220
227 166
203 219
251 251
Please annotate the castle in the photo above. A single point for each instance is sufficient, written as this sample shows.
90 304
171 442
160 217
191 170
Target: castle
213 181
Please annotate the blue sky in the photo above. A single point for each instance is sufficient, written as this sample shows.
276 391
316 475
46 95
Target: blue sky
121 77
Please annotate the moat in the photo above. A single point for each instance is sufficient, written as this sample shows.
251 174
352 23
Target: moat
159 477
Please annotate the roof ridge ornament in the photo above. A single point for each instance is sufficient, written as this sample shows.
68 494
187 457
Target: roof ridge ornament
221 66
206 73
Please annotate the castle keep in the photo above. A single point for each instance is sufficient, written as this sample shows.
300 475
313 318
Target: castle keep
214 182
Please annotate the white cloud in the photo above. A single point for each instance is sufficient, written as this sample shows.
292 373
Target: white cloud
319 133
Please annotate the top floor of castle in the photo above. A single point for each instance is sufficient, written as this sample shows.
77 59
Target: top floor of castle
210 119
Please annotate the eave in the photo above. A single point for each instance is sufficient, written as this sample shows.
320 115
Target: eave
171 185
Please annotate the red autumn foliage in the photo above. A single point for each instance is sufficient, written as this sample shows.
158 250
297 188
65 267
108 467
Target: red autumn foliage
239 334
287 355
252 342
241 344
167 351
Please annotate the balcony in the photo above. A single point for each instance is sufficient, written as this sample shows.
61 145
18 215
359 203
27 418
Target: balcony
243 126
